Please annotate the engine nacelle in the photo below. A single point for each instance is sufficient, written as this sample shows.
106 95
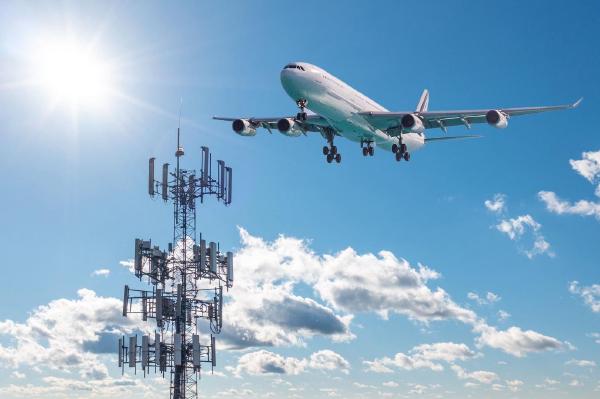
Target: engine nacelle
412 123
496 119
289 127
243 127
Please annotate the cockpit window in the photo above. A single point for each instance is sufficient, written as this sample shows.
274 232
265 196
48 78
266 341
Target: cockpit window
294 66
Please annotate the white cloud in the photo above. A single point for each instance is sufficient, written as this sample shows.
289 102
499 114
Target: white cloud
515 341
595 336
422 356
516 228
392 286
17 375
581 363
503 315
589 168
129 264
483 377
264 362
67 334
390 384
328 360
497 204
101 272
514 385
559 206
489 298
590 294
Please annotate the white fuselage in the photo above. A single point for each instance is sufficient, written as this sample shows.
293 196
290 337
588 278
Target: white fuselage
341 104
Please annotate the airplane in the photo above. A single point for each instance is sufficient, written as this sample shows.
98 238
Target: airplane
339 110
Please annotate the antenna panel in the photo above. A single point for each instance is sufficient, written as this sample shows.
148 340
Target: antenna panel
137 259
132 350
213 350
205 171
177 349
202 259
221 179
229 185
159 307
145 352
165 182
158 353
229 268
144 306
125 300
120 352
213 257
196 350
151 177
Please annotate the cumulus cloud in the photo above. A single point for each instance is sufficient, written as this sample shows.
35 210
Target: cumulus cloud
265 362
589 294
496 204
515 341
101 272
588 167
56 334
481 376
422 356
341 288
328 360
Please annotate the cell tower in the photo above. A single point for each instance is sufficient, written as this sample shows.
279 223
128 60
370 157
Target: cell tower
177 300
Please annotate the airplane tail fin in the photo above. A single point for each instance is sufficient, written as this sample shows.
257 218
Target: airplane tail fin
423 101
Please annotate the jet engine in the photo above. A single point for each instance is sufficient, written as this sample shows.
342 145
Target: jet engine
412 123
243 127
289 127
496 118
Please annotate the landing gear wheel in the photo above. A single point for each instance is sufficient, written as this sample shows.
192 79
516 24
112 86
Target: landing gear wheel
394 148
371 151
407 156
403 148
325 150
301 116
338 158
398 156
333 149
330 157
365 151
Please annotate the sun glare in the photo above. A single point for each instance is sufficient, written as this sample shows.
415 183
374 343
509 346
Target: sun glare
73 73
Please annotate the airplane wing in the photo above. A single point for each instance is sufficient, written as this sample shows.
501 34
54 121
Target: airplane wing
313 122
391 121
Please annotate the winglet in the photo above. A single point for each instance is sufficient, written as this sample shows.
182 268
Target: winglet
576 103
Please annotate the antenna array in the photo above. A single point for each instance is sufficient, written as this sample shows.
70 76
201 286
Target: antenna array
176 300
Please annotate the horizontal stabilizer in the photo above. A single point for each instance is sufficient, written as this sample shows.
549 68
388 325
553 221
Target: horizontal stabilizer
469 136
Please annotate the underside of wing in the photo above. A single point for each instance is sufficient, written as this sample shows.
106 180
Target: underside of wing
396 122
443 138
287 125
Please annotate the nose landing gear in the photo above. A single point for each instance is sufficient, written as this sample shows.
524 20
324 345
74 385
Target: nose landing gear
301 103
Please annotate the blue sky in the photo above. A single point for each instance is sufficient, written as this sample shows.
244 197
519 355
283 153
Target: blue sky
74 195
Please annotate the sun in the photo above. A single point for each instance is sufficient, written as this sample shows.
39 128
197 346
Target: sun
73 73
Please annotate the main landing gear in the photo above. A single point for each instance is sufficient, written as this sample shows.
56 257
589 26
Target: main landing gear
367 150
401 151
301 116
330 151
